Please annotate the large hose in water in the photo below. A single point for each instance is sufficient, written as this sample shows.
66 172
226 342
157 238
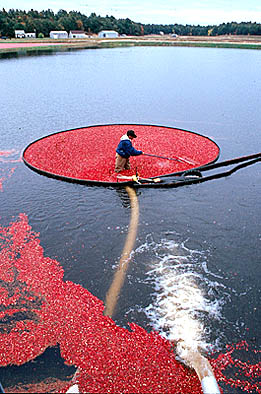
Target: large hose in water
204 371
193 358
118 280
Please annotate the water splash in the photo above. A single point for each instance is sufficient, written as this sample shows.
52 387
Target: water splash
188 299
180 303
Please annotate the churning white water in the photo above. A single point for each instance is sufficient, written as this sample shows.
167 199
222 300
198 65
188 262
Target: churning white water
185 300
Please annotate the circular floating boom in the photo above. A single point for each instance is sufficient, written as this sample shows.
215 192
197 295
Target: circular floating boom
87 155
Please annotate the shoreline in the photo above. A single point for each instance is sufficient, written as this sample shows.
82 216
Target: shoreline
23 46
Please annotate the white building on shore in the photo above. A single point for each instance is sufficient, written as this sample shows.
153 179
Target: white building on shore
22 34
19 34
30 35
108 34
58 34
77 34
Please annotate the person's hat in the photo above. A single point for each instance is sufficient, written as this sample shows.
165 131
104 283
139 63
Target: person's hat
130 133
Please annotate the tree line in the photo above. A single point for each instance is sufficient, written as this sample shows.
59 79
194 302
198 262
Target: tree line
45 21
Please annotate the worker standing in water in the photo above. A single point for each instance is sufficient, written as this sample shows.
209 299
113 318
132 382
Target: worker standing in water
124 151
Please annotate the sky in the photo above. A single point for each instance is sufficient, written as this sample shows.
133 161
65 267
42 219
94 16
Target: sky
191 12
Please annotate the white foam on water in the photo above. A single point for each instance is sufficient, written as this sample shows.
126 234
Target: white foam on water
185 297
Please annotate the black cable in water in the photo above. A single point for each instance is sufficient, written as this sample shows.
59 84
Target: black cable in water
181 179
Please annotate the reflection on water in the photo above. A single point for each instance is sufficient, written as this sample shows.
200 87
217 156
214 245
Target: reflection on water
119 276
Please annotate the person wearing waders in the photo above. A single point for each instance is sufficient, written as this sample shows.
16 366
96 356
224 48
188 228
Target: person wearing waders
124 151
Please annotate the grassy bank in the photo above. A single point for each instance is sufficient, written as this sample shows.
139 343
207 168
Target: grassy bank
180 43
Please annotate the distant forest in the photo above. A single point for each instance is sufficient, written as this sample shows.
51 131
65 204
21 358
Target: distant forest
43 22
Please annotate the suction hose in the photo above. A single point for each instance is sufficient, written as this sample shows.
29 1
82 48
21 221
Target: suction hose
204 371
119 277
